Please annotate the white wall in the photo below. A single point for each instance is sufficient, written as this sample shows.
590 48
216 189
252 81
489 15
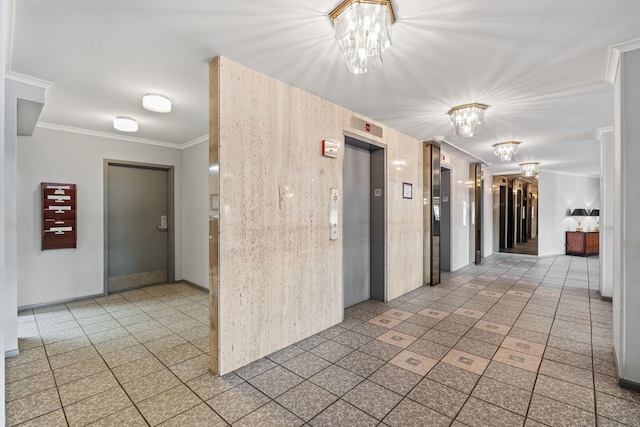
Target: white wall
487 214
626 292
14 91
606 213
56 156
3 320
557 194
195 209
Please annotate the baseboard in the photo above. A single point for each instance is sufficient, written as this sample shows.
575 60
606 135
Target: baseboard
11 353
202 288
65 301
629 385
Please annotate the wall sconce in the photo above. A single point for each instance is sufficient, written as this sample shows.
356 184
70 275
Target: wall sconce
596 213
579 213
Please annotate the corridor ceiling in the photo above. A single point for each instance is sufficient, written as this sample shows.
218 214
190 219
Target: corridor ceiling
540 65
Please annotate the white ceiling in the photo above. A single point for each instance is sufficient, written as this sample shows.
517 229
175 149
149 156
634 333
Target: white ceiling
540 65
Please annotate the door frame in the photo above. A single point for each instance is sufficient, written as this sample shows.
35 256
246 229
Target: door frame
366 143
171 272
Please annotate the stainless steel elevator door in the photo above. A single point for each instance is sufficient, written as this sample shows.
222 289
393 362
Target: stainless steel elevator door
356 259
137 248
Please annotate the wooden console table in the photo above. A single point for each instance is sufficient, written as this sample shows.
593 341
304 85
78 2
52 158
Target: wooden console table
582 243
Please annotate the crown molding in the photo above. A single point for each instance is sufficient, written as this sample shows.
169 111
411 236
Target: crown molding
582 175
448 147
23 78
108 135
614 58
601 131
195 141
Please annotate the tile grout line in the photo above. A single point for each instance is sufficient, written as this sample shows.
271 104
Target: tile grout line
548 336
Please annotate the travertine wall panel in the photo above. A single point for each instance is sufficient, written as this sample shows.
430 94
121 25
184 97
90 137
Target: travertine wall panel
280 277
404 216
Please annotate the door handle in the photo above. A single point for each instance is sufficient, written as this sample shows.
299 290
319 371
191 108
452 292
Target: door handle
163 224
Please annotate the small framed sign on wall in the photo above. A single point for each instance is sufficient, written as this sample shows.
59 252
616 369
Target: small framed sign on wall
407 190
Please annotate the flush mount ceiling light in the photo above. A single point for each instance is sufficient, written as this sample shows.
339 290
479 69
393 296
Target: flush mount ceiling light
125 124
363 32
506 151
156 103
529 169
466 119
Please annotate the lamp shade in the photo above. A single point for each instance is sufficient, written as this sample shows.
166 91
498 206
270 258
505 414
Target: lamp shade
594 212
579 212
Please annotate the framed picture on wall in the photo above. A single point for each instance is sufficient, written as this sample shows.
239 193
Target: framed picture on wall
407 190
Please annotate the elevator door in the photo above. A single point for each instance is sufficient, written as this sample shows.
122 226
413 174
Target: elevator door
356 220
445 220
503 218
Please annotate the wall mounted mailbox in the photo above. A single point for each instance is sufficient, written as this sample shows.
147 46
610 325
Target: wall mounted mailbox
58 215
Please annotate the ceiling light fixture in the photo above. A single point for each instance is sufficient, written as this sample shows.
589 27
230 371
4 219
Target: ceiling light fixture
466 119
529 169
363 32
156 103
125 124
506 150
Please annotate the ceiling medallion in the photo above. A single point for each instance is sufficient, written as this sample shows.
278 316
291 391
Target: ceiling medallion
363 32
466 119
506 151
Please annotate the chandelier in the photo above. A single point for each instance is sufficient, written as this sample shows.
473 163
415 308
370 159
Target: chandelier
466 119
506 150
529 169
363 32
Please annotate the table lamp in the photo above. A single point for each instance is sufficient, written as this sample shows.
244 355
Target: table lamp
596 213
579 213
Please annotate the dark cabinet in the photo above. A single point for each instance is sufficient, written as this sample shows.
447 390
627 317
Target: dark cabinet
582 243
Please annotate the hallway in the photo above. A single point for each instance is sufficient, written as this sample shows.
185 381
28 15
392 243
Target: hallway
530 247
516 339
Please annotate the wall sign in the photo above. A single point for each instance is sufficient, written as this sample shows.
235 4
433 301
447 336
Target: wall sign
407 190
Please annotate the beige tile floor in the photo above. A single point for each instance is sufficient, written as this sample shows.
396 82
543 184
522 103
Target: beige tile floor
515 341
